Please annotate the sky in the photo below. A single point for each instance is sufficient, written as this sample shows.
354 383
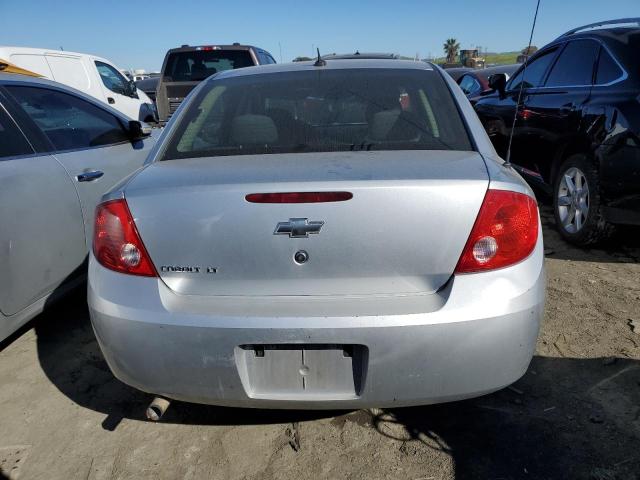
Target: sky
137 34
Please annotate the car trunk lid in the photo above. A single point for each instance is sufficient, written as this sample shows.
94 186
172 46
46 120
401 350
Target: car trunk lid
402 231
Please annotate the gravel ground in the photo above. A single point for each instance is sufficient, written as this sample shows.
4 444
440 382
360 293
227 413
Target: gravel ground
575 414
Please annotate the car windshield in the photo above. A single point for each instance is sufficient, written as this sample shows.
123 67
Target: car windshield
323 110
196 65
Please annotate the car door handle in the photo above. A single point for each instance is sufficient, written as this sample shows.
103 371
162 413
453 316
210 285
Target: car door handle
89 176
111 100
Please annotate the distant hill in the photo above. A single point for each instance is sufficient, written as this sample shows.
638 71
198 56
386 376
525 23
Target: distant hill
491 58
504 58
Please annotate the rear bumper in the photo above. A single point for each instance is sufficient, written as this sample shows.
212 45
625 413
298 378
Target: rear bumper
476 337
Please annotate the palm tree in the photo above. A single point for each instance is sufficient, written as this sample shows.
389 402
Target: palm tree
451 47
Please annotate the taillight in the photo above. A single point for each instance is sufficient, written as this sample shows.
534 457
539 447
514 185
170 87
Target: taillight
116 242
525 114
505 232
299 197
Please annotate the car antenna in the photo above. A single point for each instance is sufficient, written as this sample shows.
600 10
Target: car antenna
319 62
507 162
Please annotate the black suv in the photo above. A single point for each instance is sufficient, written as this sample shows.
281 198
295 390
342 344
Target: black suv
187 66
578 126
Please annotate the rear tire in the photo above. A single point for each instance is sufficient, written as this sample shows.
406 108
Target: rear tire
577 205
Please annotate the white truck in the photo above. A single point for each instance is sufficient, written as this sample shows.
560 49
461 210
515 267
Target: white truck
92 75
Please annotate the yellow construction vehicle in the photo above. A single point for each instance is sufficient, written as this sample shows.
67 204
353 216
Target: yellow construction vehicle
471 59
8 67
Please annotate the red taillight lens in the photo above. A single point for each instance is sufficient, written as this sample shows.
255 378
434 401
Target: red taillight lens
299 197
505 232
525 114
116 242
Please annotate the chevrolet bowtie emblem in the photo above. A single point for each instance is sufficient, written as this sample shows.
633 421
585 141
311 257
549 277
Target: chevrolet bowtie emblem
298 228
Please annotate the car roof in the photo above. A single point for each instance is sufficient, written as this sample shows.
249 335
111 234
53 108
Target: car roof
458 69
148 82
606 25
457 72
4 49
41 51
360 56
617 34
193 48
343 64
17 79
485 73
49 51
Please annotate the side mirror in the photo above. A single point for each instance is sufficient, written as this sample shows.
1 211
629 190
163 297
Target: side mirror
498 83
138 130
132 90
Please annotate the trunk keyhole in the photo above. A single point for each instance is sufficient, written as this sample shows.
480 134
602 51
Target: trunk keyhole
301 257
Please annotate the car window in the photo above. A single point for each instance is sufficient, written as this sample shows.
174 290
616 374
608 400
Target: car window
264 58
112 78
608 69
196 65
534 72
12 142
68 121
340 110
470 85
575 64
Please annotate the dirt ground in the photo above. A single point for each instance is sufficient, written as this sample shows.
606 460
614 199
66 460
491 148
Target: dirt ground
575 414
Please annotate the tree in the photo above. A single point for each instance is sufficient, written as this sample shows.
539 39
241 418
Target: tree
301 59
451 47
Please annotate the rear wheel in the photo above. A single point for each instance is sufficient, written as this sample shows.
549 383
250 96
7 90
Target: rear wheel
577 203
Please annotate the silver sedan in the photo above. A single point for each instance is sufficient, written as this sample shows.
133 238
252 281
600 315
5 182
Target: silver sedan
338 234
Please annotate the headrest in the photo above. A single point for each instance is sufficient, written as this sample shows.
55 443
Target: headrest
382 123
253 130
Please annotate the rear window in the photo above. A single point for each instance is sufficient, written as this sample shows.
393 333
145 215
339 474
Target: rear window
196 65
323 110
575 65
608 70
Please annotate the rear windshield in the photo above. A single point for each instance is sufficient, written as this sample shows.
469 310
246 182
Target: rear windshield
197 65
315 111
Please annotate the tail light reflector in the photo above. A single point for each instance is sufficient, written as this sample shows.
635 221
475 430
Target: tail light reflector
116 241
299 197
505 232
525 114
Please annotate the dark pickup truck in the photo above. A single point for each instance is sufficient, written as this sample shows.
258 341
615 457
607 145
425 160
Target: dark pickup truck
187 66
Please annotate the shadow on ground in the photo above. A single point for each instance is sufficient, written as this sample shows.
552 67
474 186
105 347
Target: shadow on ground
622 247
567 418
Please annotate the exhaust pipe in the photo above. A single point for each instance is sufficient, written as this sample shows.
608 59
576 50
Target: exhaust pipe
156 408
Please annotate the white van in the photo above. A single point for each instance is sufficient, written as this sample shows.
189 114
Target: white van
92 75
